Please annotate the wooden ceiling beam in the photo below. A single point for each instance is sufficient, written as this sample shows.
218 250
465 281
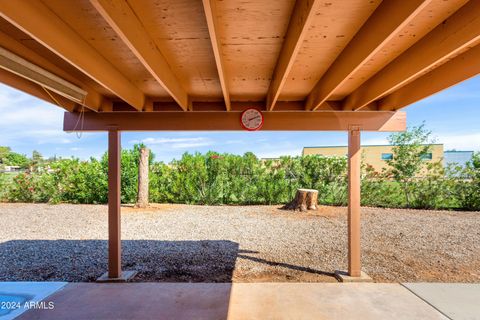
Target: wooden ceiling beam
121 17
212 23
384 24
38 21
458 69
230 121
93 99
455 34
303 13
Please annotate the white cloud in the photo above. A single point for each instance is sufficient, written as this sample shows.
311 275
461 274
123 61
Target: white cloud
278 153
457 141
234 142
374 141
460 141
176 143
27 119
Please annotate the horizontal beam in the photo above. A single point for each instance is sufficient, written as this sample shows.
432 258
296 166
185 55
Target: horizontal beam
230 121
123 20
39 22
453 72
384 24
460 31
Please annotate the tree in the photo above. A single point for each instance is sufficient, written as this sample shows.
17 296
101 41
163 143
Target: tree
4 151
36 156
16 159
409 147
129 171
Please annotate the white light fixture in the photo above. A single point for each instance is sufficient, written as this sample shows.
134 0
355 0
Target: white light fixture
25 69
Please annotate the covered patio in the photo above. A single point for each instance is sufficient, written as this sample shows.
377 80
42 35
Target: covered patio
188 65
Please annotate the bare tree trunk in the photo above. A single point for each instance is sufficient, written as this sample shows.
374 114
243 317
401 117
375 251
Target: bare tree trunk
142 196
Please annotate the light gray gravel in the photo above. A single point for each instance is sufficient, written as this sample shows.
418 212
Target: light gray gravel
245 244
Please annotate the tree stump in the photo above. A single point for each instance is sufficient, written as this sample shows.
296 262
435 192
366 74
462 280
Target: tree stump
305 199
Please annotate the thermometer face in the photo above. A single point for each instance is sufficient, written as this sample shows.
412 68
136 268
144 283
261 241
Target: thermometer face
252 119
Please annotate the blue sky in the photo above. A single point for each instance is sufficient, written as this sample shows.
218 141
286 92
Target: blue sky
28 124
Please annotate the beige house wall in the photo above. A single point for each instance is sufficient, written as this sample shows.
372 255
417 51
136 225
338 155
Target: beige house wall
372 155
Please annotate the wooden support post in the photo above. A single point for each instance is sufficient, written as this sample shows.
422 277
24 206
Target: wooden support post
114 238
354 157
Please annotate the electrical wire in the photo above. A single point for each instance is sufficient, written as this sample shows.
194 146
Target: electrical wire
80 119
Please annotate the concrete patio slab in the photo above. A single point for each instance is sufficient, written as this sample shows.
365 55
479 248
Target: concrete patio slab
18 297
235 301
456 300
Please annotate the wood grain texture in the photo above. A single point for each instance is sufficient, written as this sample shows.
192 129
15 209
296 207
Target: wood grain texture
230 121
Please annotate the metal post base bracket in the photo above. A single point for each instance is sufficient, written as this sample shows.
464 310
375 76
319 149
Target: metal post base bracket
125 277
342 276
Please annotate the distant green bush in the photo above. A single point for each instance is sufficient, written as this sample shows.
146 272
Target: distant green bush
215 179
31 187
467 190
3 186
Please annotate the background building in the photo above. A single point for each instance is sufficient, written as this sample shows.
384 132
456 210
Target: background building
457 157
375 155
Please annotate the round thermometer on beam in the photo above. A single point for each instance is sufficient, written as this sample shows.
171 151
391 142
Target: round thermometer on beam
252 119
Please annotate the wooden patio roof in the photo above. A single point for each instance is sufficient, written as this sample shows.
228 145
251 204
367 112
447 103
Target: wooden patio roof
188 55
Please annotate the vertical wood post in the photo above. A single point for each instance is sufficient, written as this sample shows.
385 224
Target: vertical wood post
114 238
354 158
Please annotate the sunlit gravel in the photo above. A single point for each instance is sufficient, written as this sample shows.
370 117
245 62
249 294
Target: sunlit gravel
243 244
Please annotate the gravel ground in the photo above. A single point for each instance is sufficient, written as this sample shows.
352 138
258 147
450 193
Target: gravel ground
241 244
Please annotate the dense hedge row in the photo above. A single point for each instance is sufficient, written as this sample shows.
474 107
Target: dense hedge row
231 179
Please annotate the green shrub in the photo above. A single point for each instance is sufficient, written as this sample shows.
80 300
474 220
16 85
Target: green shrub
79 181
434 190
467 189
215 179
3 186
379 190
27 187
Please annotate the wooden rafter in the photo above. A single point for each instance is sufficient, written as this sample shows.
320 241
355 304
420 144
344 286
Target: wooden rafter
121 17
39 22
93 99
221 120
457 33
210 14
383 25
297 28
458 69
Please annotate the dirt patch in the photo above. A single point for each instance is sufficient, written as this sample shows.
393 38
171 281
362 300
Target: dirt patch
154 207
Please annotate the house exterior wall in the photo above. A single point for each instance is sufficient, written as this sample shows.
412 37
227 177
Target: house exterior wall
372 155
